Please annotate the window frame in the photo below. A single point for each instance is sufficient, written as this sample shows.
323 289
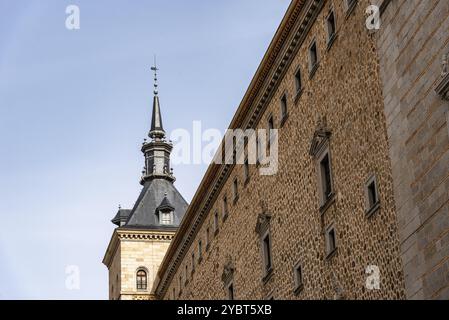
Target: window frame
235 190
284 108
141 285
267 254
330 251
298 278
371 206
331 36
325 199
313 66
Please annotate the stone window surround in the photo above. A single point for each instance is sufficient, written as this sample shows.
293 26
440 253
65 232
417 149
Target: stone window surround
145 270
235 190
371 208
330 252
299 283
331 37
267 271
299 85
313 66
284 108
324 203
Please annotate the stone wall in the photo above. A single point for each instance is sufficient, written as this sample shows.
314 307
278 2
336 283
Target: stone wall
135 249
346 91
411 42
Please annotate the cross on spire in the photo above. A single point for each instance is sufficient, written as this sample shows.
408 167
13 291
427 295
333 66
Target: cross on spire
155 69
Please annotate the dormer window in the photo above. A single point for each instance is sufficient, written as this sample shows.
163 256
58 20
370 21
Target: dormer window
166 218
165 212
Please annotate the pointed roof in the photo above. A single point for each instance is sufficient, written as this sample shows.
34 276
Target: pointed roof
157 130
165 205
156 193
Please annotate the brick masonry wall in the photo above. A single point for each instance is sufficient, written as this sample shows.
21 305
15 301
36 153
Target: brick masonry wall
347 90
411 42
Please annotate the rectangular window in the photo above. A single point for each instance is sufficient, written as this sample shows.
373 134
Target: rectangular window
231 291
193 261
270 132
331 241
225 208
313 58
187 273
372 195
266 247
331 27
200 251
298 277
326 180
284 107
235 190
207 238
180 283
298 81
246 170
216 221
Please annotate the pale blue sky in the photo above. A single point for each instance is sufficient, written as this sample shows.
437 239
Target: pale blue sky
75 107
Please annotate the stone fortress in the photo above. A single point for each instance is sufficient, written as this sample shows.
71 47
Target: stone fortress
358 208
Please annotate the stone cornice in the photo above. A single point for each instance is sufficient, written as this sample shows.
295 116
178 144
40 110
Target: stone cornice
122 234
289 37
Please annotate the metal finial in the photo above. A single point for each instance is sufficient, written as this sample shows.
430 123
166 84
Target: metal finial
119 206
155 69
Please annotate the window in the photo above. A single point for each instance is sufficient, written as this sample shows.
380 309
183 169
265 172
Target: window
325 178
193 261
231 291
284 107
225 208
235 190
298 278
298 81
246 170
313 58
331 243
174 293
266 247
270 131
216 222
166 218
141 280
180 283
372 195
200 251
187 273
331 28
207 238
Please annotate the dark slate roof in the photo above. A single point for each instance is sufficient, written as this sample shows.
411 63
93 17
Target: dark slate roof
121 216
143 215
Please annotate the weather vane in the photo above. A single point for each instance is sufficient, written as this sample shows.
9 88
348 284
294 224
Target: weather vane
155 69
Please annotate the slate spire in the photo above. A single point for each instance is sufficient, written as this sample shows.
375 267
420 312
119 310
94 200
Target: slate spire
157 129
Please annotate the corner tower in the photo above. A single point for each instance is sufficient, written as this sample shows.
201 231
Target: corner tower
143 233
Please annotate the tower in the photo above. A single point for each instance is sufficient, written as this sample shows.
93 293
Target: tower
143 233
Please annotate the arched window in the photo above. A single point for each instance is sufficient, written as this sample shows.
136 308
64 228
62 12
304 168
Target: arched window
141 280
